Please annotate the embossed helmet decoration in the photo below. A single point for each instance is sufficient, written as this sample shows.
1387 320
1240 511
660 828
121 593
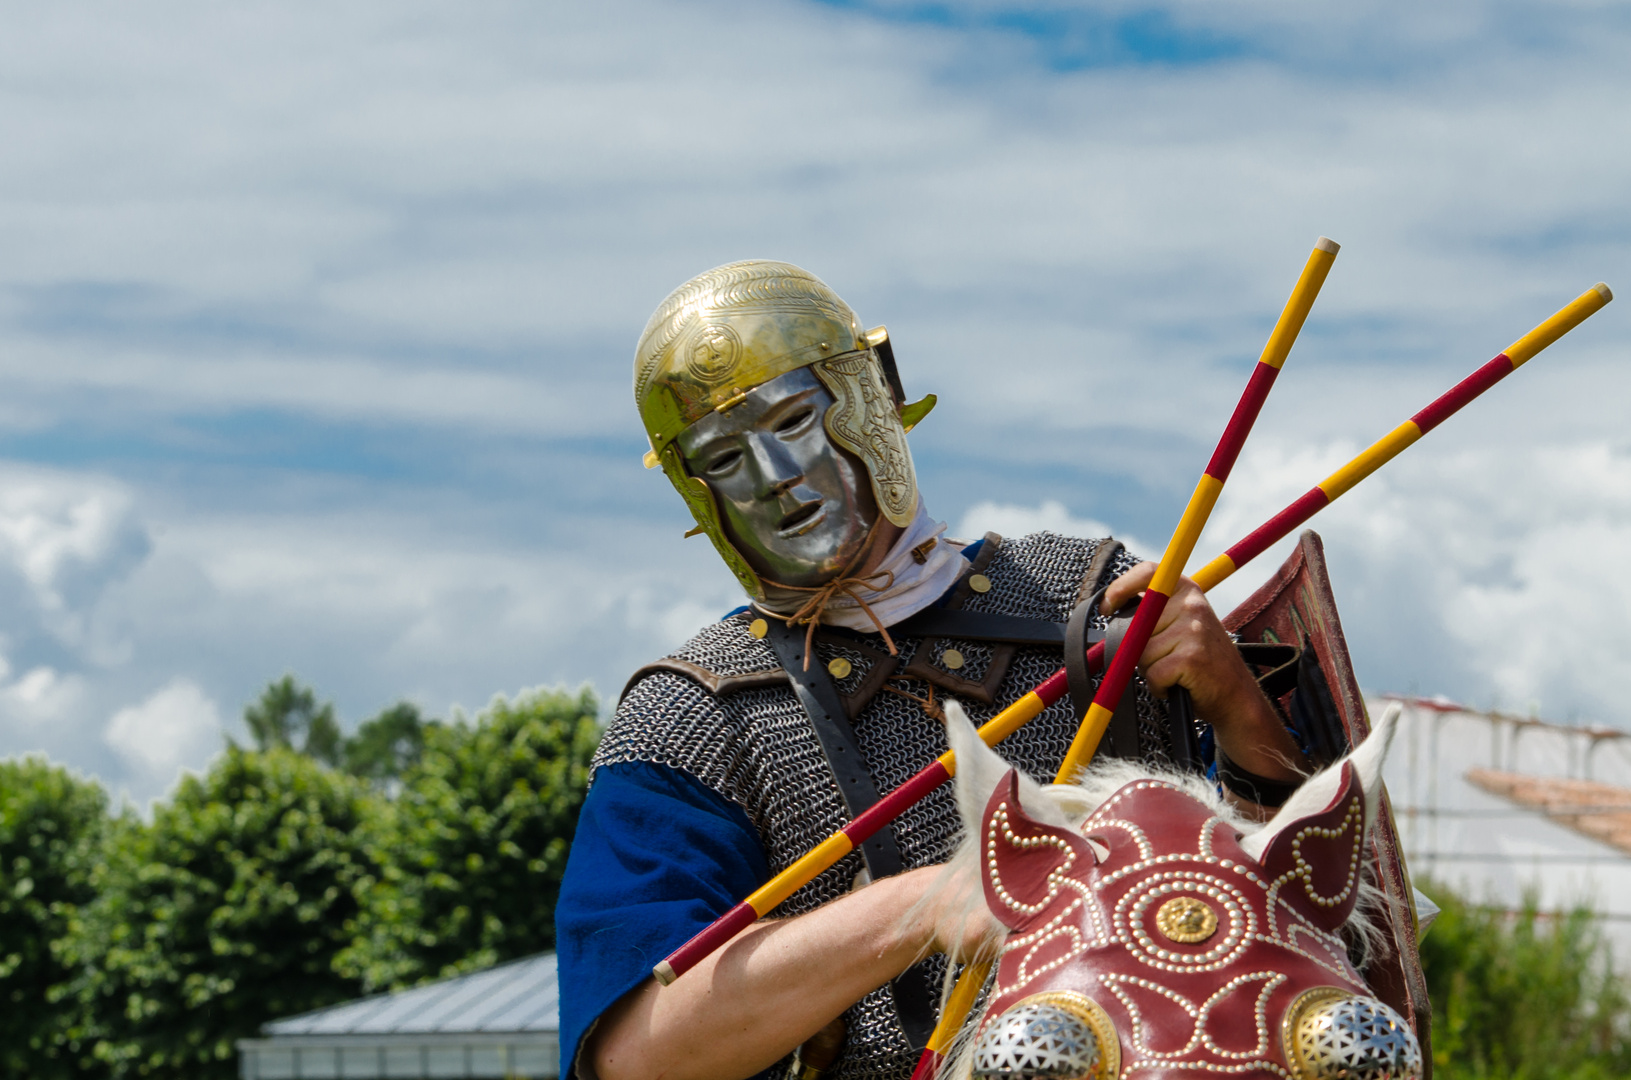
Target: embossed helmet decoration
1157 938
729 330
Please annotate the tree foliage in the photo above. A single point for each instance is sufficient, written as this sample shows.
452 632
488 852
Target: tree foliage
286 878
1523 996
387 746
287 710
51 824
475 844
225 912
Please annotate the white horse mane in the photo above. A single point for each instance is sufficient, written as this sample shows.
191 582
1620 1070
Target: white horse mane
959 891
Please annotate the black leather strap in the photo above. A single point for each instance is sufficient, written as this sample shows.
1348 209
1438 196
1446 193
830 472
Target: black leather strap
1254 788
830 723
914 991
980 626
1121 740
1077 677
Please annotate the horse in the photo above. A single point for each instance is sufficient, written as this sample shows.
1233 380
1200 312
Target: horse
1150 928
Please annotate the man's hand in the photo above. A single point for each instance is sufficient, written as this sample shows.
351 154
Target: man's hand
1190 648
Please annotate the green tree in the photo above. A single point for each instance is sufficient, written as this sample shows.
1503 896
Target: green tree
1523 996
50 826
224 913
474 846
387 746
287 710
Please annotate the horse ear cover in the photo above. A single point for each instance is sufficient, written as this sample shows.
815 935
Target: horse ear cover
1024 861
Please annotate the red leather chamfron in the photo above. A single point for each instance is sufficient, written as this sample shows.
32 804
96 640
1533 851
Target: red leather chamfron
1192 947
1323 857
1027 863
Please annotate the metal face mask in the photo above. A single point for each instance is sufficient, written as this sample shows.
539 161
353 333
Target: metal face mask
724 334
794 505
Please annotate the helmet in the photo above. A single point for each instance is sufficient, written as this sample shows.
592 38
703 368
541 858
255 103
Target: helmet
733 328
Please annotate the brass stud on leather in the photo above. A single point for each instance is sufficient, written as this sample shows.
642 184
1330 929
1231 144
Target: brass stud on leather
839 668
1186 920
758 628
980 583
952 659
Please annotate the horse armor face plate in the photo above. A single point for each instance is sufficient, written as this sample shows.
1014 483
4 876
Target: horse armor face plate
1152 943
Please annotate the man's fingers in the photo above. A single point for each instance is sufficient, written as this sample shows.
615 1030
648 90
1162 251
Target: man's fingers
1125 587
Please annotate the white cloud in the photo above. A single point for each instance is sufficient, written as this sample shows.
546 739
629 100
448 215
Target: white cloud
175 727
40 697
63 539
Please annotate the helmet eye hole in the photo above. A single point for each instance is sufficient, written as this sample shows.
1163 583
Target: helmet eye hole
724 463
795 420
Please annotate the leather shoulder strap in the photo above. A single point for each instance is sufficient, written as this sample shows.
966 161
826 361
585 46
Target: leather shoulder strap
913 990
830 722
713 682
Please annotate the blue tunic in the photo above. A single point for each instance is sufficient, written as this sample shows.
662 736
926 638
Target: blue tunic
657 857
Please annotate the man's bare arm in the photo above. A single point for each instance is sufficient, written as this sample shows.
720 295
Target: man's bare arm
774 986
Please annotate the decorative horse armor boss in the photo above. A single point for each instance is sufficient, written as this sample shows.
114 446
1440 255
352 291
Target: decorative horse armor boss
1153 932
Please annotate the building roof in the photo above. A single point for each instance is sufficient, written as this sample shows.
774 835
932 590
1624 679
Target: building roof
1600 811
520 996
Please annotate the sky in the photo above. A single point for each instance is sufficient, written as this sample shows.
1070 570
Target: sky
317 324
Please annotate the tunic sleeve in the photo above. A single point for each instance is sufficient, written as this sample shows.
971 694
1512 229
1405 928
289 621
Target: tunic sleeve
657 857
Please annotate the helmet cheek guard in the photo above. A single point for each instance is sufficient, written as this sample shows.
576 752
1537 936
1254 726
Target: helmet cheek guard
700 501
863 420
736 327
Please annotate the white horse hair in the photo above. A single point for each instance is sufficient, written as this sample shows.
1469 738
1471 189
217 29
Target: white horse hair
959 891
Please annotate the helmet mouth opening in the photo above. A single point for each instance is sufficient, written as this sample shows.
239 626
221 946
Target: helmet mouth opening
801 520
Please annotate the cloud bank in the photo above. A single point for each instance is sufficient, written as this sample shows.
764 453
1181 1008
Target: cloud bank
315 329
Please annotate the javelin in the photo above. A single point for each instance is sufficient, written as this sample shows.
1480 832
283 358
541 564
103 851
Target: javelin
835 847
1015 716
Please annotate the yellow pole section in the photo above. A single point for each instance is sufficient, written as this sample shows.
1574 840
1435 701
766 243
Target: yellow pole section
1584 307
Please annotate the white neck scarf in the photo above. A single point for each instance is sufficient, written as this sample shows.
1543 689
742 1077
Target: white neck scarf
914 585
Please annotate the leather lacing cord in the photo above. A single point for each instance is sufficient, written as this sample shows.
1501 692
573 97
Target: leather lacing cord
809 614
930 709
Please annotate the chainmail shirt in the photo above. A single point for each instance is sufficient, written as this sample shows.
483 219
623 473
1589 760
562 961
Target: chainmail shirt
756 748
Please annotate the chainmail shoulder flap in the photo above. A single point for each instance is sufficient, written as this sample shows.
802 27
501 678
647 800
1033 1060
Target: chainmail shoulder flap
755 746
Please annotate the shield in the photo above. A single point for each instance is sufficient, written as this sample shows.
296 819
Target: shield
1314 685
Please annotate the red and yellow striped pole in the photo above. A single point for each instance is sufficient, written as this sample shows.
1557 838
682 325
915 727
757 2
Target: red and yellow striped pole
1182 544
1389 446
1026 708
961 1000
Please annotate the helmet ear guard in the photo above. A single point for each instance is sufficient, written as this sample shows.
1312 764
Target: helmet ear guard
910 413
864 420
